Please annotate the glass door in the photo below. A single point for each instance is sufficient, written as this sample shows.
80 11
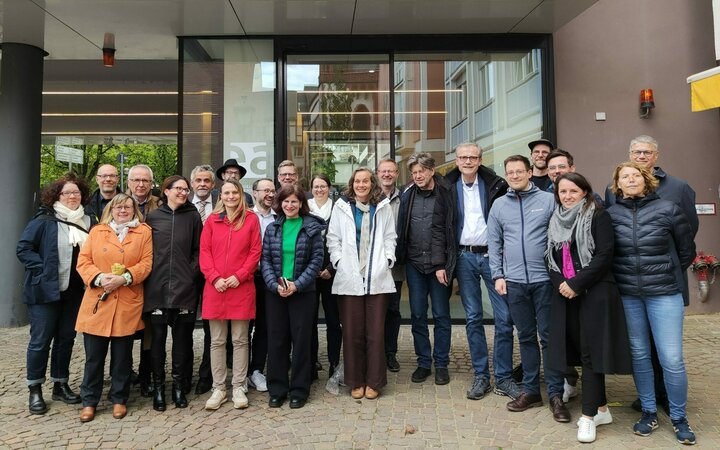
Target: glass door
338 114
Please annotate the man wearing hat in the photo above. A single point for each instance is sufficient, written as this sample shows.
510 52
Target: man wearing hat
539 149
232 170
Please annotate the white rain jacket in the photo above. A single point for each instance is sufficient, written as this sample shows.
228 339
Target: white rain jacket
341 242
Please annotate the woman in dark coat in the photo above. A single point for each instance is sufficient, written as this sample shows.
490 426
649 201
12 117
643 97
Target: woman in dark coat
653 247
53 290
292 255
587 324
170 295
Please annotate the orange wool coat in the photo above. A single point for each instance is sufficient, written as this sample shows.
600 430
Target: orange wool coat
118 315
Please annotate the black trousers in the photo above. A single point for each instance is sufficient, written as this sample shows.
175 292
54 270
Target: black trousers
182 326
258 338
289 325
392 320
593 383
96 349
324 295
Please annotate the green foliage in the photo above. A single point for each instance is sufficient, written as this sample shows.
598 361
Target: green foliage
162 159
322 160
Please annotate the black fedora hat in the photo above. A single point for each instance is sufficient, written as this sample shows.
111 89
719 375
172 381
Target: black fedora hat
230 163
532 144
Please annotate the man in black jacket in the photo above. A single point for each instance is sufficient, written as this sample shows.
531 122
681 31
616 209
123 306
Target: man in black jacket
414 249
459 234
107 180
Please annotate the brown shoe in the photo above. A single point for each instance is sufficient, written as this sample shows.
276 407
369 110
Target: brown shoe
559 410
87 414
119 410
371 394
358 392
525 401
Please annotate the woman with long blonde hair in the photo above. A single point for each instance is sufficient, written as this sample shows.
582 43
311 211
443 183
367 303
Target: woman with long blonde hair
229 254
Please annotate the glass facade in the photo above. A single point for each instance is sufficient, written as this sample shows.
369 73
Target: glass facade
335 108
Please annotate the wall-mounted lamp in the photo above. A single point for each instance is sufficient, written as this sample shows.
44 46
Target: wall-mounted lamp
109 50
647 102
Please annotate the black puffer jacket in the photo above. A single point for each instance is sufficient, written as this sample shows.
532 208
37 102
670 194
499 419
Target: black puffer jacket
176 252
653 246
309 253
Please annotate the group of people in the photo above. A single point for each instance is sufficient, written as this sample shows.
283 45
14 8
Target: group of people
594 280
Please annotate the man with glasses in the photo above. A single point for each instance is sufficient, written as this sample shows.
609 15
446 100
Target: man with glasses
539 149
517 238
287 173
461 235
107 180
140 183
644 150
232 170
264 193
387 173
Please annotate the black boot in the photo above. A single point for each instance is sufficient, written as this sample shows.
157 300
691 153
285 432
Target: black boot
146 389
159 394
62 392
178 394
36 402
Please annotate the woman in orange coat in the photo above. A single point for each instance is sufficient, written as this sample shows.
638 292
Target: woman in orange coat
114 262
229 254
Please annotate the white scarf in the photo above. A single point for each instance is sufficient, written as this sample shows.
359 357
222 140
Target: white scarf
121 229
323 211
76 238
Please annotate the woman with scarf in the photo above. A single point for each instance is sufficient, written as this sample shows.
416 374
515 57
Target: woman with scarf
114 263
361 241
49 248
587 324
321 206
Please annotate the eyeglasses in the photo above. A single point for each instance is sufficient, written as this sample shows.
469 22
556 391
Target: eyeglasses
232 172
287 175
320 188
110 176
140 180
123 208
266 191
387 172
516 173
468 158
642 152
558 167
71 194
181 190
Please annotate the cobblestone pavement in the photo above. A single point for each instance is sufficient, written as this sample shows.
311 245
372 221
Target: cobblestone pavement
407 415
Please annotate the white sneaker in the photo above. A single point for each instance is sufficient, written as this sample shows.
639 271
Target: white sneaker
217 398
586 430
257 380
239 399
569 391
601 418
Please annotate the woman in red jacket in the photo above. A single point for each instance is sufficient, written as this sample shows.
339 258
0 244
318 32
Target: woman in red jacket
229 253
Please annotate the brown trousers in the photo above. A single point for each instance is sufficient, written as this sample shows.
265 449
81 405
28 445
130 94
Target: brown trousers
363 323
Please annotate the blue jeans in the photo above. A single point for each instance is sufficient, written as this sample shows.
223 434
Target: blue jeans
470 268
419 286
663 317
52 323
530 311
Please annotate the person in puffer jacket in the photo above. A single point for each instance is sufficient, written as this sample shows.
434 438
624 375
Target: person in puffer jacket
292 256
653 246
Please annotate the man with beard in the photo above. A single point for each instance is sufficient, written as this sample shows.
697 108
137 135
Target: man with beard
539 150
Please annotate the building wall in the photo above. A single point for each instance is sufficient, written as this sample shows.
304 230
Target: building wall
603 58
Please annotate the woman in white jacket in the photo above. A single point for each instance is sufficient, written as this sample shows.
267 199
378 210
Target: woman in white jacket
361 241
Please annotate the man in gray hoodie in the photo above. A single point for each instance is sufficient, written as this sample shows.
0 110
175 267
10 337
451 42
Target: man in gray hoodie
517 237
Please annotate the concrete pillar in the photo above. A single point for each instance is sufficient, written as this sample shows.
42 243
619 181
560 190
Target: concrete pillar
21 80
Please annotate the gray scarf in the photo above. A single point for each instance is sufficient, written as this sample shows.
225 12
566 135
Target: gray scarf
560 230
121 229
364 235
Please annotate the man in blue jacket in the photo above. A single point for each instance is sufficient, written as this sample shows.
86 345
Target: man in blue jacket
517 238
